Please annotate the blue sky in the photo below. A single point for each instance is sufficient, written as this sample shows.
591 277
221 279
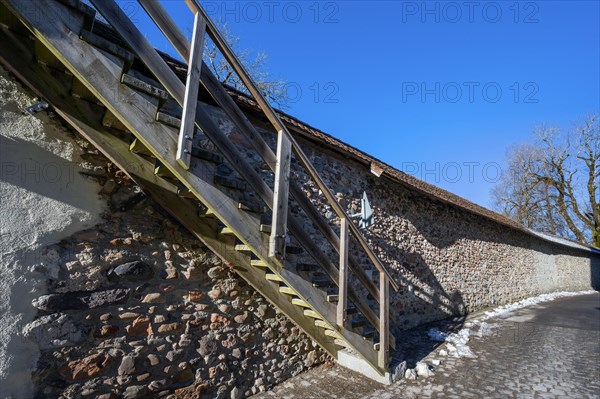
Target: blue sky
438 89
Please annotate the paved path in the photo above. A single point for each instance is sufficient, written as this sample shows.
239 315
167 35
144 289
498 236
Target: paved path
549 350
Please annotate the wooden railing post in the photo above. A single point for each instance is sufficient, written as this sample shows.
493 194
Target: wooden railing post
188 119
280 197
342 305
384 315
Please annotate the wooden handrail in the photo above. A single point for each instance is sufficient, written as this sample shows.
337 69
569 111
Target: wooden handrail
235 63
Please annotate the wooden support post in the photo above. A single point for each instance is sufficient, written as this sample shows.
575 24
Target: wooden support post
342 305
188 119
384 315
280 196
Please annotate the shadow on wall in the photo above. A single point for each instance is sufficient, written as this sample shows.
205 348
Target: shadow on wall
39 170
595 272
424 295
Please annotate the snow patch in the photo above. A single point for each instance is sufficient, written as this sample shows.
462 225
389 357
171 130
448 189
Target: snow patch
503 310
457 343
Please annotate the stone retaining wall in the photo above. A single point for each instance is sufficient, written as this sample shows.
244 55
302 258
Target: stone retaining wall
105 296
141 308
114 299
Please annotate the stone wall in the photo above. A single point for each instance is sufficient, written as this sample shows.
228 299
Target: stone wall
103 295
43 199
142 309
447 260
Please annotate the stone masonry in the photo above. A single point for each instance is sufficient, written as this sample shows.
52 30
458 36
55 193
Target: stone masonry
141 308
134 306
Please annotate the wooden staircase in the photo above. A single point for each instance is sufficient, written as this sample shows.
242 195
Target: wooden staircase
127 100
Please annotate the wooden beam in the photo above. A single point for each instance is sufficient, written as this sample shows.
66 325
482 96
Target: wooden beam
188 118
384 317
343 282
280 197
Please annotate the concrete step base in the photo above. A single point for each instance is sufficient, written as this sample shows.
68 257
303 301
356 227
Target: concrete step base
348 359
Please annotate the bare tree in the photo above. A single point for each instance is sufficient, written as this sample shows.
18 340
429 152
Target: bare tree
274 90
553 185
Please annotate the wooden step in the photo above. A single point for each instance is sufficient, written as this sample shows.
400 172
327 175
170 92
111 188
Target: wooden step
358 323
351 309
207 155
111 121
231 182
300 302
273 277
265 228
226 231
137 84
45 57
259 263
243 248
318 283
368 333
251 208
185 192
162 171
322 324
312 313
168 120
137 147
333 298
108 46
333 333
205 212
293 250
287 290
79 90
341 342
